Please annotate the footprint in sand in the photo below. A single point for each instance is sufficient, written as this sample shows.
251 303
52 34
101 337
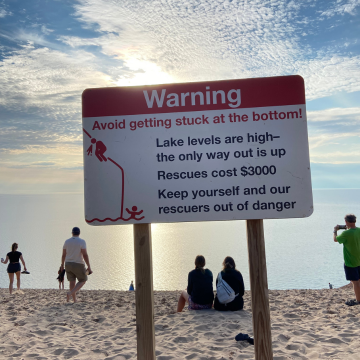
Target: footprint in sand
123 330
68 353
59 329
201 327
42 332
334 341
298 333
99 319
233 326
18 292
183 339
283 338
292 347
291 316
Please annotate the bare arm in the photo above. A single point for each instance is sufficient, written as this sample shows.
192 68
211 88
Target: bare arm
336 228
190 285
86 259
23 262
63 259
6 260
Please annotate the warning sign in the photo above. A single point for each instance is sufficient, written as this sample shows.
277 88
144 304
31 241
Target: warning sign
205 151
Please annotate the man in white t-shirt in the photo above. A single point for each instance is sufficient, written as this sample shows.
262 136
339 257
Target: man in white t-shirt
74 255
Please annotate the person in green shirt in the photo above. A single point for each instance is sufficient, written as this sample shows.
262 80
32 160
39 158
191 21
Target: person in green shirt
350 239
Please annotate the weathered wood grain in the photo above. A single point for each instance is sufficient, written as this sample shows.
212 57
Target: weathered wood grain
259 290
144 296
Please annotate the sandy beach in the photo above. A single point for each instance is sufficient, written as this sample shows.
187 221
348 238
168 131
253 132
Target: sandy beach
306 324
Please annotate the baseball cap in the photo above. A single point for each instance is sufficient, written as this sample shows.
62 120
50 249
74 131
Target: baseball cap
76 231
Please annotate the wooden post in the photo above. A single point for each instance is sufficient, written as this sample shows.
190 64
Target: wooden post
144 294
259 290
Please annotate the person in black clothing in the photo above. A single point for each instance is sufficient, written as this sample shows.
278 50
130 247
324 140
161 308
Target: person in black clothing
199 293
61 277
234 278
14 267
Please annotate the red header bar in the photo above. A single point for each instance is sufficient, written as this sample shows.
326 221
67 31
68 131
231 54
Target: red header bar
197 96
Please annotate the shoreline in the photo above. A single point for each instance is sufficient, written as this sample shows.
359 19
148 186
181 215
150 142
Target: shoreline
306 324
168 291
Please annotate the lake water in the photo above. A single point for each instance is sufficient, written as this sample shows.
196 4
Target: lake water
300 253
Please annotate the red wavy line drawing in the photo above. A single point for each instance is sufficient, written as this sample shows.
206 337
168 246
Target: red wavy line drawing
96 219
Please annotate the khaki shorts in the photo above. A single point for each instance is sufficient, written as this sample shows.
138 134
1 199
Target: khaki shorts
75 271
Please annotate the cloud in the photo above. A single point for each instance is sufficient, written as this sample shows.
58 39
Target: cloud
334 135
342 8
335 147
331 176
31 37
336 157
128 42
33 165
40 180
44 164
39 77
329 75
40 96
4 13
337 128
193 41
45 30
62 148
342 115
165 34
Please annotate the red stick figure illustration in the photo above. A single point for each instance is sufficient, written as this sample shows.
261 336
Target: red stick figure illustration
89 150
133 213
99 150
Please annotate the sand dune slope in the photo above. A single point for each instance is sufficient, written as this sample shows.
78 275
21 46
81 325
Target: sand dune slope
306 324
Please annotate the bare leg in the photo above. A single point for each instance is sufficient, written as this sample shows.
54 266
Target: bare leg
63 284
11 278
72 285
356 286
184 297
59 285
18 279
74 290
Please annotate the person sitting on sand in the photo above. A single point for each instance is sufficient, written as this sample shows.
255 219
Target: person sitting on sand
74 255
350 239
14 267
199 293
61 277
235 280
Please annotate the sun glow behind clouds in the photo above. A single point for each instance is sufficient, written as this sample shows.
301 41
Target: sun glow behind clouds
146 73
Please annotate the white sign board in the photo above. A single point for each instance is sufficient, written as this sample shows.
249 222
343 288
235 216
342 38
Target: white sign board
206 151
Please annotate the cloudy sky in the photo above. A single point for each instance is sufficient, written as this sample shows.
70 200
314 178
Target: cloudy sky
50 51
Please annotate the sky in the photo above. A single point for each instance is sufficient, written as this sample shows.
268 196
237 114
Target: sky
50 51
